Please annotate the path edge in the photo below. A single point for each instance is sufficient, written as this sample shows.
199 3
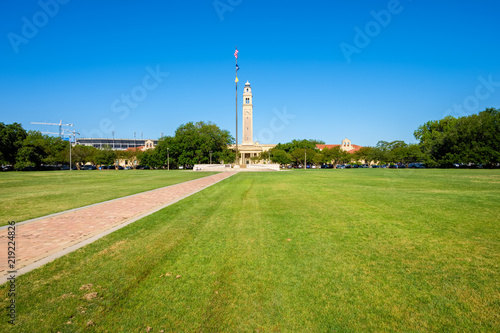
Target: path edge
74 247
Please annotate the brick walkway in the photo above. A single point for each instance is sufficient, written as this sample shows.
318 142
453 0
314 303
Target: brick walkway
52 234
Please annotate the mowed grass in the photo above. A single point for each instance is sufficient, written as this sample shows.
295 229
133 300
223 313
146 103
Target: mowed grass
313 251
27 195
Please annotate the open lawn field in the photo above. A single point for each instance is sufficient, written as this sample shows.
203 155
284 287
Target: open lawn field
27 195
299 251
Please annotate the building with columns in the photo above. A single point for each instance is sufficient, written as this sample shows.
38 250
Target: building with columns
248 148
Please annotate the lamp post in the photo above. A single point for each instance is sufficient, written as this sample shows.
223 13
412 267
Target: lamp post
168 158
210 157
135 145
305 158
74 138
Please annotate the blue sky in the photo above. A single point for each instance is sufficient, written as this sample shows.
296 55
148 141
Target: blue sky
365 70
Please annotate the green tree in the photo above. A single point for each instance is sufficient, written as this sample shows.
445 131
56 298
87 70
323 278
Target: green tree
469 139
226 156
344 157
414 153
192 144
280 156
129 155
57 151
319 158
105 156
294 144
150 158
256 158
82 154
35 148
363 155
11 140
299 155
333 155
389 152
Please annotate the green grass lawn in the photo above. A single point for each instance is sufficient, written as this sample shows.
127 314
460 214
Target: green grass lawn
27 195
300 251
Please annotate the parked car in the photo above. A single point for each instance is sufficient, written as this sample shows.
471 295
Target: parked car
416 165
375 166
7 168
120 167
30 168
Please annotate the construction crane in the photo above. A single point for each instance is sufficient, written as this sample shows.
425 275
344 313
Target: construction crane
54 124
61 135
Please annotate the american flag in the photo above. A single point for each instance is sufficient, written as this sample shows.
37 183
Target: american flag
236 54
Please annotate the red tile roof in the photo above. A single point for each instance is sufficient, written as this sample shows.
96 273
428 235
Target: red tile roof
136 148
355 147
321 147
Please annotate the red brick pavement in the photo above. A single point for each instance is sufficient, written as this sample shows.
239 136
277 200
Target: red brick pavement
46 236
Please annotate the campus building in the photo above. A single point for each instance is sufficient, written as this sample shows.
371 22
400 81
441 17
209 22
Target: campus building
345 145
116 144
248 148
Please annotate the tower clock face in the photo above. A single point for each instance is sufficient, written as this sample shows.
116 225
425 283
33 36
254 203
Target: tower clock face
247 111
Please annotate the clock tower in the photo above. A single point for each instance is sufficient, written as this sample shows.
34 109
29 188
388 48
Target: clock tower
247 115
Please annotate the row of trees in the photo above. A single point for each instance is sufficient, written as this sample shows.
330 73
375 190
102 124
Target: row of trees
21 149
297 151
193 143
471 139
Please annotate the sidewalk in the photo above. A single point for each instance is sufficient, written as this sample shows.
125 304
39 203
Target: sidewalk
48 238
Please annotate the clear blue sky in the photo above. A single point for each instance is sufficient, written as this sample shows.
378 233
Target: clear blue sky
410 68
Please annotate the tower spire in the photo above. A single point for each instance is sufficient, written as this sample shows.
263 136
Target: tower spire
247 115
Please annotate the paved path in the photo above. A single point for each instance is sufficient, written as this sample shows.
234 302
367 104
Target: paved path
50 237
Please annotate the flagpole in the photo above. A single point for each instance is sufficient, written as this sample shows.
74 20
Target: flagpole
236 81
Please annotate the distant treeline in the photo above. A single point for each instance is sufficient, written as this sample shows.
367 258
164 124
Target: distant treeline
193 143
473 139
470 140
